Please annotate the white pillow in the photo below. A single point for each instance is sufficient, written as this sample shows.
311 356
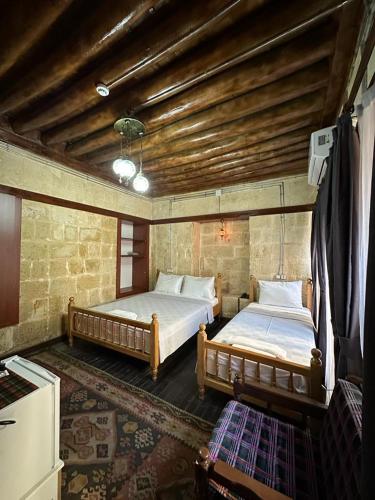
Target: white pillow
169 283
280 293
199 287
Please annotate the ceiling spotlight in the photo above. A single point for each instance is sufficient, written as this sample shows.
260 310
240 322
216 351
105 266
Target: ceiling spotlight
123 167
102 89
140 183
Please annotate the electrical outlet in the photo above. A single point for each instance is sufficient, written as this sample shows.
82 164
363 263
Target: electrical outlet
283 277
169 270
277 276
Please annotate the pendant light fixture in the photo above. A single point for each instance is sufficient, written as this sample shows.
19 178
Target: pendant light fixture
140 182
130 129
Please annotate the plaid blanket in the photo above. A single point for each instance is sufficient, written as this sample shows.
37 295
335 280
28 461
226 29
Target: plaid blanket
341 443
14 387
278 454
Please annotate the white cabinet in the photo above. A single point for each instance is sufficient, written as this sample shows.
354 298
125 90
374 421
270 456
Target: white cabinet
29 448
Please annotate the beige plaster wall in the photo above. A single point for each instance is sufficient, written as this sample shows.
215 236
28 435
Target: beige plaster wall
64 252
21 169
265 245
242 197
229 256
175 249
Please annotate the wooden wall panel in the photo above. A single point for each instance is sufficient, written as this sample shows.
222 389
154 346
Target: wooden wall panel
10 253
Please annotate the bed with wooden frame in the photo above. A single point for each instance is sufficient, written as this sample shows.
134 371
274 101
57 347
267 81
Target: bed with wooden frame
113 331
313 374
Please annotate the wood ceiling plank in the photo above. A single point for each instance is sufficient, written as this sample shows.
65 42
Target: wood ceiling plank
19 32
347 34
292 169
225 172
90 37
286 59
248 126
298 84
184 173
218 150
144 55
269 145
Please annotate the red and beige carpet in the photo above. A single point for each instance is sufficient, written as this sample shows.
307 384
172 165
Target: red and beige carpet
118 441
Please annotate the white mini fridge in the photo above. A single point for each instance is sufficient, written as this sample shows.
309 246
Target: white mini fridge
29 436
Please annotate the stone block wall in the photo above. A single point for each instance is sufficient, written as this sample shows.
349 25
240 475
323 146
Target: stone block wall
64 253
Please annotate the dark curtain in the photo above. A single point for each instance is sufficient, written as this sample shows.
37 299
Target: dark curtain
320 220
334 251
368 440
343 247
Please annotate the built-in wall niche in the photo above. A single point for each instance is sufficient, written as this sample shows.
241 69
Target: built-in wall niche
132 257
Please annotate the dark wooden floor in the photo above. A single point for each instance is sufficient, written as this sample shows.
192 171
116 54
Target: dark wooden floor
176 381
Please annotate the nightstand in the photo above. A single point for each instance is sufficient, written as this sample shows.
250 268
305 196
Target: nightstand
241 303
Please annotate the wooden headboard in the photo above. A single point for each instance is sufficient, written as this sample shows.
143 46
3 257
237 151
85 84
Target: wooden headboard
306 291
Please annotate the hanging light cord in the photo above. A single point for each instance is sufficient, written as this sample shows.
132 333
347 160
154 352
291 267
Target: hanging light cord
140 160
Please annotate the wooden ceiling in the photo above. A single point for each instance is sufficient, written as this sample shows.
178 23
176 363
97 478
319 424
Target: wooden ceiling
228 91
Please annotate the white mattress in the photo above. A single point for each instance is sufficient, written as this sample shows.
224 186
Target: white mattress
291 330
179 318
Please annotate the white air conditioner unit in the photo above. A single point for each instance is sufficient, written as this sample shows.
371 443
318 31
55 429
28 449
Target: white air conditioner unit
320 144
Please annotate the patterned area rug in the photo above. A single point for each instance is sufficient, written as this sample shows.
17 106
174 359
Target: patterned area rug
119 442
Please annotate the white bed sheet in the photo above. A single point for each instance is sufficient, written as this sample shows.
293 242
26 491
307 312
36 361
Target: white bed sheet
179 318
290 329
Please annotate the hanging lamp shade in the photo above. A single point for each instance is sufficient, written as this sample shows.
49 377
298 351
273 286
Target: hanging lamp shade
140 183
123 167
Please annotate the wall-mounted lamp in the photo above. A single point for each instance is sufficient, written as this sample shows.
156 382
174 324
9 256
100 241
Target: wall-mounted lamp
224 236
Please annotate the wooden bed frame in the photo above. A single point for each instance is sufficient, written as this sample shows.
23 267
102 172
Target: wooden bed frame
110 331
313 373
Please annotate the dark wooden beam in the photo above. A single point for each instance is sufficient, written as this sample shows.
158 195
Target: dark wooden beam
170 36
19 32
243 214
233 145
256 151
350 18
285 170
224 173
264 69
296 85
298 150
62 202
248 126
365 57
93 34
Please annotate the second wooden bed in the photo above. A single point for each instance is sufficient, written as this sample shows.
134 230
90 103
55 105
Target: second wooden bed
209 350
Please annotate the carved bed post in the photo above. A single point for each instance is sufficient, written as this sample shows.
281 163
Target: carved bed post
154 347
252 289
70 321
317 389
201 356
219 294
202 465
309 294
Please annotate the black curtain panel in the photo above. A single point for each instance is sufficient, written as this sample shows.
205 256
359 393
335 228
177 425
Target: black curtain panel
342 248
334 252
368 449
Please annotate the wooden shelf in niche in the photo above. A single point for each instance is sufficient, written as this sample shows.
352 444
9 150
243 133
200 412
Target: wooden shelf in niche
134 256
132 270
134 239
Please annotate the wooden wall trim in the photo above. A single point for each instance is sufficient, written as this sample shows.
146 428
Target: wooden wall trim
62 202
244 214
10 258
241 214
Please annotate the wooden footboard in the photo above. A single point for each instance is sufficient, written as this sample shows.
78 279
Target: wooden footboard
313 373
134 338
